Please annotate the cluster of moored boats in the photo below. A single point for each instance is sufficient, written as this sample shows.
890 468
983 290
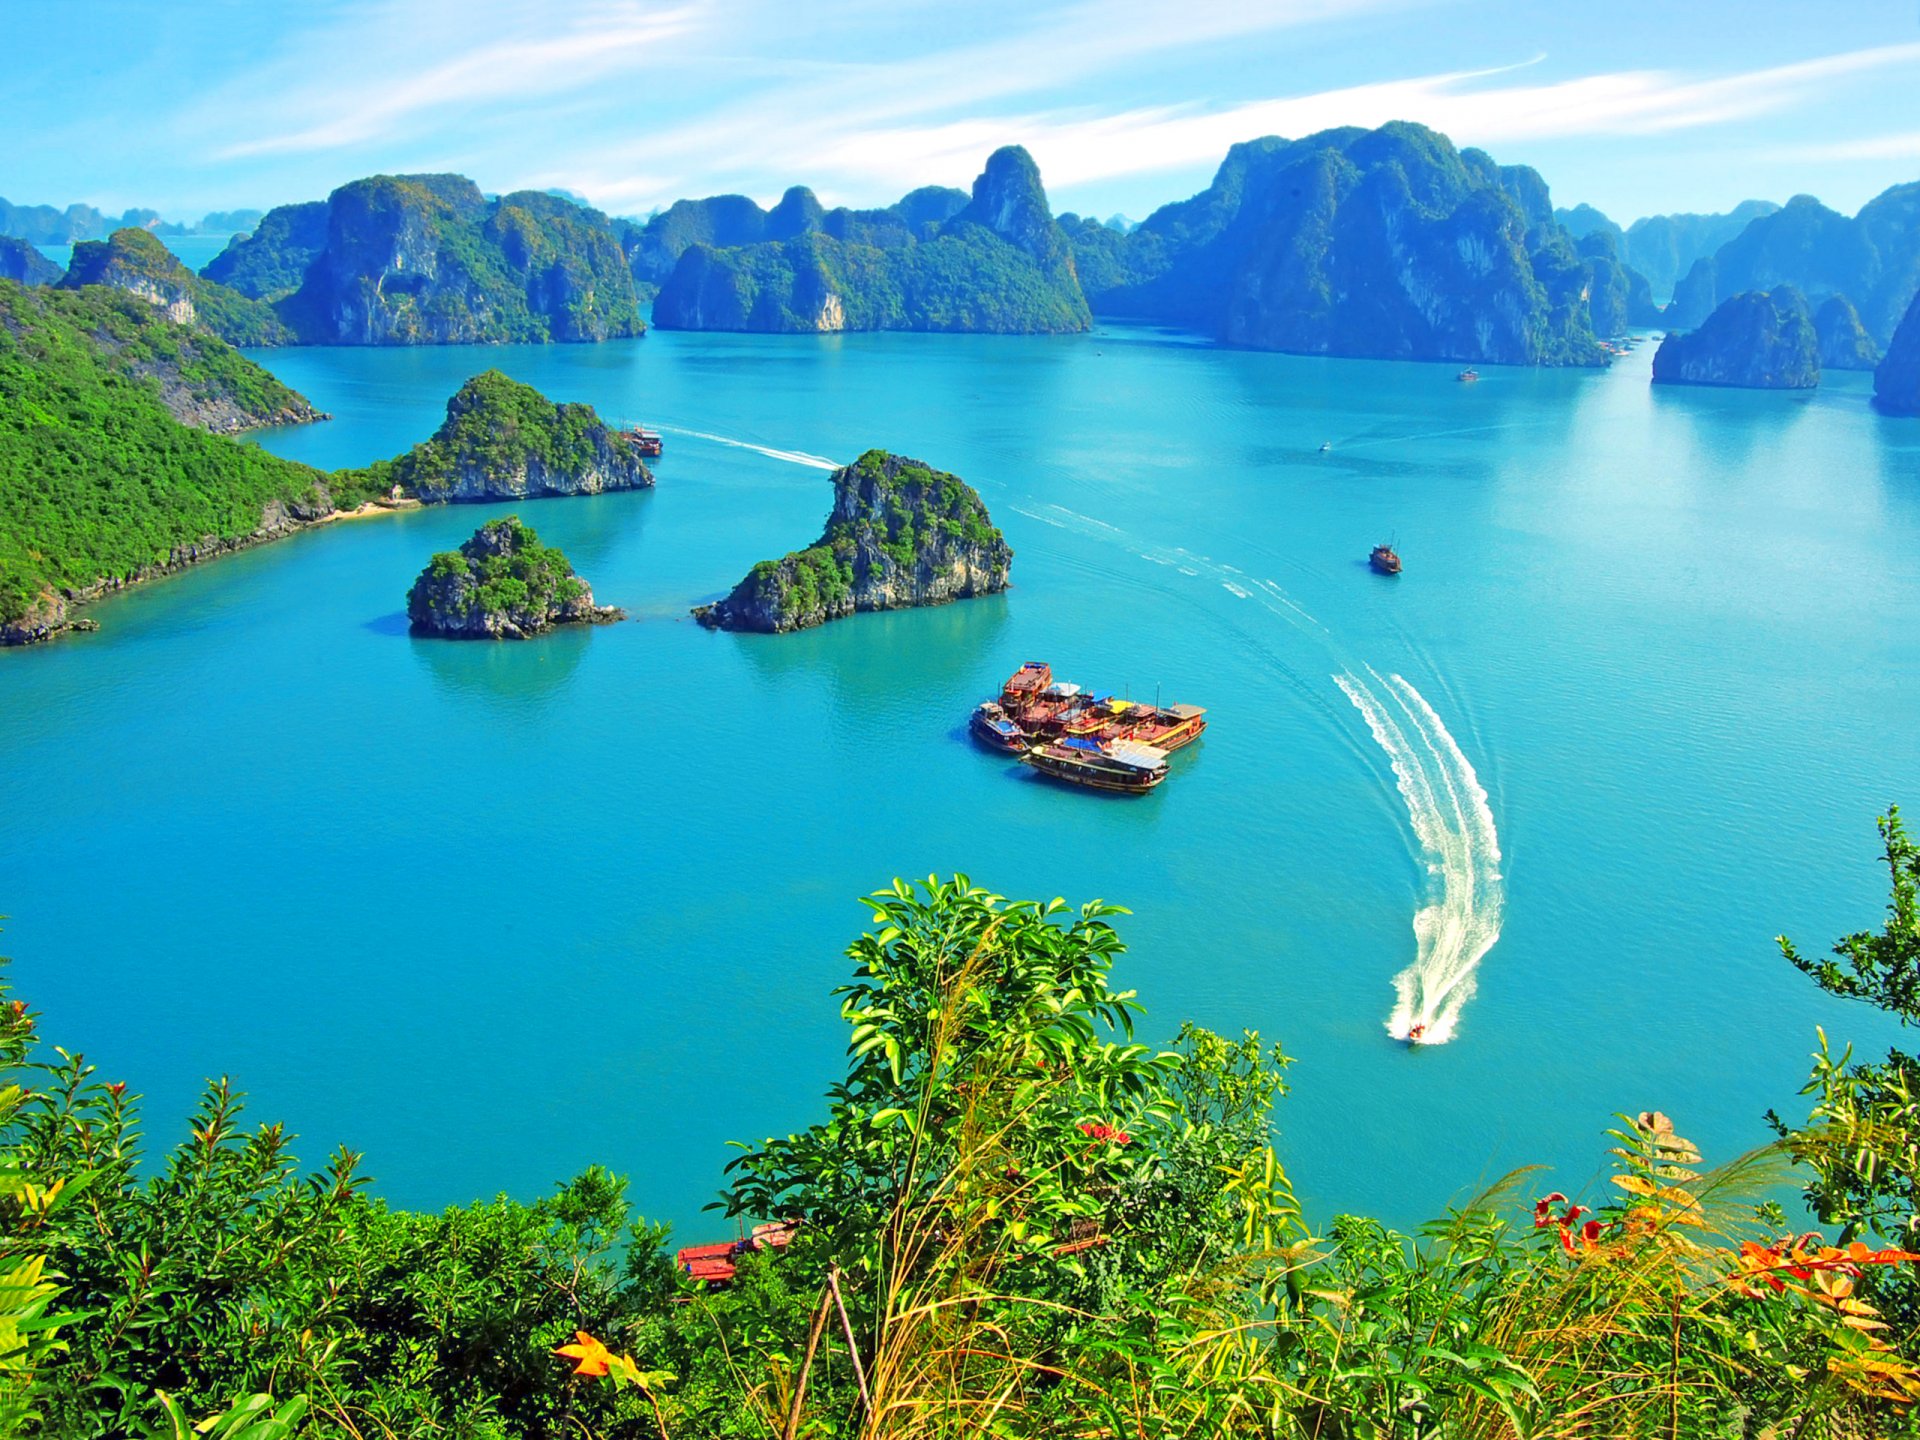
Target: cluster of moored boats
1068 734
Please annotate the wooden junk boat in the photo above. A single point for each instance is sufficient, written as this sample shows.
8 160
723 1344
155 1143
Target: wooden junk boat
1043 708
1384 560
715 1265
1125 767
647 442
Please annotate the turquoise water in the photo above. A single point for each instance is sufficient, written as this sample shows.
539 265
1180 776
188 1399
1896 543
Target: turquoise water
492 912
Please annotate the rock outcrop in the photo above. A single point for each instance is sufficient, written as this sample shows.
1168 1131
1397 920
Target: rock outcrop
429 260
270 261
997 262
1387 243
137 262
901 534
1844 341
1896 382
1618 296
1873 258
1762 340
503 440
22 263
502 584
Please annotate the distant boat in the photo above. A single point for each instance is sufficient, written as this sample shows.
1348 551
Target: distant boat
1416 1033
647 442
1468 375
1384 560
1325 445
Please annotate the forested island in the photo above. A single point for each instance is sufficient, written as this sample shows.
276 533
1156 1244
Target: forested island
996 262
1763 340
116 464
900 534
1011 1204
501 584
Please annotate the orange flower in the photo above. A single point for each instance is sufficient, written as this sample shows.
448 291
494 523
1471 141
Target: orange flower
594 1358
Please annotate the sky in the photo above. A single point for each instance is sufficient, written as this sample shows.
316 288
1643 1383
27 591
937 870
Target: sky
1633 106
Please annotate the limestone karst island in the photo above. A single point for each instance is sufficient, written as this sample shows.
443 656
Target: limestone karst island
849 722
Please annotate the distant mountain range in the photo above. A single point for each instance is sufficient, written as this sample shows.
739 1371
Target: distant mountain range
1664 247
1388 243
50 225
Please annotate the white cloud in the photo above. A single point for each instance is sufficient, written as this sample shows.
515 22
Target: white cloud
372 86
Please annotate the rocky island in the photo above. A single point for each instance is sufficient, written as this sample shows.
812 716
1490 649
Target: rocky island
429 260
1872 257
1844 341
503 440
1762 340
995 261
116 464
22 263
502 584
1385 243
901 534
1896 382
139 263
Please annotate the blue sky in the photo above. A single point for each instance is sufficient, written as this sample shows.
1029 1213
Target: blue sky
1636 107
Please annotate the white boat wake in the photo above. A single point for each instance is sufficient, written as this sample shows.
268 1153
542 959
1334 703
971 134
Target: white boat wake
792 457
1453 823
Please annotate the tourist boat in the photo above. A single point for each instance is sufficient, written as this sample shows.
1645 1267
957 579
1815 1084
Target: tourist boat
991 726
647 442
1167 727
1468 376
1384 560
1124 766
1026 685
1325 445
1416 1033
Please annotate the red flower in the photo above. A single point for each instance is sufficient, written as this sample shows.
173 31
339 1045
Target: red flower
1543 1210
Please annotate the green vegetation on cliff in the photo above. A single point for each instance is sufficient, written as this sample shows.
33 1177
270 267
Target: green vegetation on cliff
137 262
428 260
108 474
997 263
502 439
1385 243
500 583
1762 340
1009 1204
900 534
98 479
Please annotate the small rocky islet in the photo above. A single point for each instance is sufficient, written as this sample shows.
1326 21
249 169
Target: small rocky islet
1760 339
502 584
901 534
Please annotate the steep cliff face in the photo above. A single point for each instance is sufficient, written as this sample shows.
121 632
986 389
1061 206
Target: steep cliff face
503 440
270 263
998 263
429 260
1618 296
22 263
1385 243
1872 258
1761 340
502 584
901 534
136 262
1844 341
1664 247
1896 382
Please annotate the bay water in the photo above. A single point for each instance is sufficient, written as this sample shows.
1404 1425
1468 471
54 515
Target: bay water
493 912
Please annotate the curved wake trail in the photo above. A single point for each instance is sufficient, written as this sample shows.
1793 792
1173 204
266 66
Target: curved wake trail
1466 897
792 457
